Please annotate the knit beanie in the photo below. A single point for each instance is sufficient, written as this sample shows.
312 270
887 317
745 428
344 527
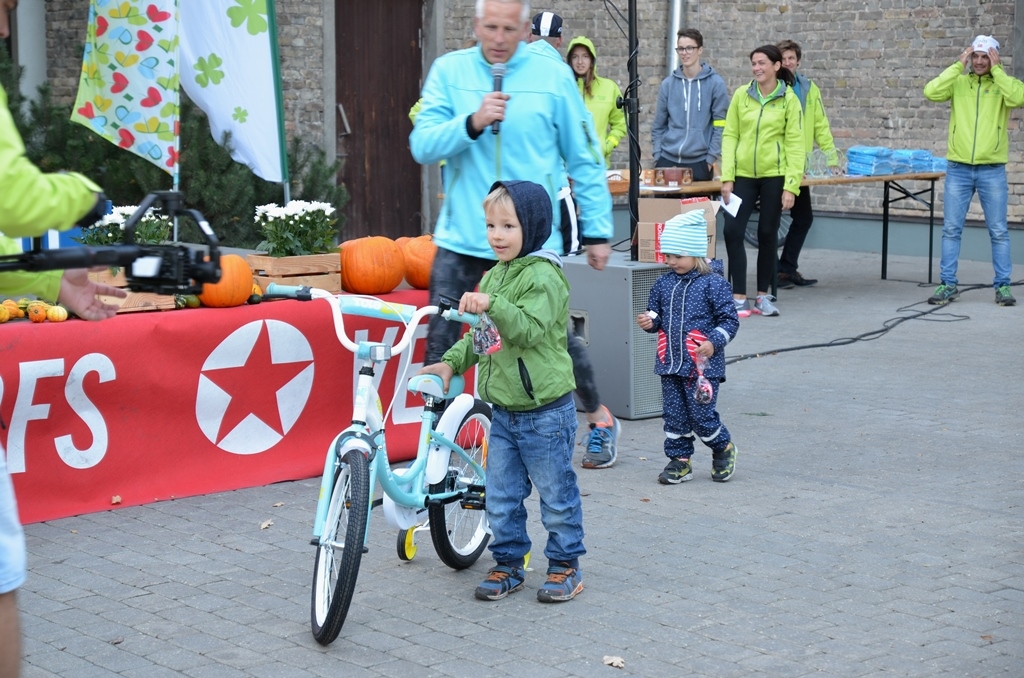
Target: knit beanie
686 235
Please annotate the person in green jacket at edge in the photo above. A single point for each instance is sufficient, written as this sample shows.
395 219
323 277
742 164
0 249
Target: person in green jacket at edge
601 95
528 376
816 129
976 156
31 203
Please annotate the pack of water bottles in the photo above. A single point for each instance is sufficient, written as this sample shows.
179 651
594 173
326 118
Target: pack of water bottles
907 161
871 161
868 161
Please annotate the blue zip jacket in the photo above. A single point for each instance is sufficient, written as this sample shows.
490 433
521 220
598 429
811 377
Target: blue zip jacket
693 301
546 130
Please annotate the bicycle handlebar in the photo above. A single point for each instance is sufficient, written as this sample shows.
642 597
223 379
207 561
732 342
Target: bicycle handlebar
371 307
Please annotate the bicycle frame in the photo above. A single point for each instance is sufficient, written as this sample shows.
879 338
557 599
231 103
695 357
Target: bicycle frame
366 432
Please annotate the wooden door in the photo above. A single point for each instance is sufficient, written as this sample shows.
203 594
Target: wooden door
378 80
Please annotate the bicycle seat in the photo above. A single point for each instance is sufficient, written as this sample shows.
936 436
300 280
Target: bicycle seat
430 384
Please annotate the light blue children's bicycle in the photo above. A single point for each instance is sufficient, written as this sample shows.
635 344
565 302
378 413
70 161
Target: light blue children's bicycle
441 490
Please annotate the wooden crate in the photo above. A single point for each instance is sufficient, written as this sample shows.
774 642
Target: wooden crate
315 270
136 301
618 182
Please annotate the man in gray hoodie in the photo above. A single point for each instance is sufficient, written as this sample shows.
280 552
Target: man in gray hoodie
692 103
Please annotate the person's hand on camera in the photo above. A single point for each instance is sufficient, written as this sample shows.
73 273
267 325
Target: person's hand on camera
99 210
78 293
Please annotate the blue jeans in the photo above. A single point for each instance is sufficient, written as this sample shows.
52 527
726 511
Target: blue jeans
961 183
527 449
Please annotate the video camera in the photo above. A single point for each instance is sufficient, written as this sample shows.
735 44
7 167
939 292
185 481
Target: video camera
163 269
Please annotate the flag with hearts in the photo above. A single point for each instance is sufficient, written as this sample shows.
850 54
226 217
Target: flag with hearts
128 88
230 69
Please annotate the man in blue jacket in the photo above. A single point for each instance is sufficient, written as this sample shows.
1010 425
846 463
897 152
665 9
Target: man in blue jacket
535 128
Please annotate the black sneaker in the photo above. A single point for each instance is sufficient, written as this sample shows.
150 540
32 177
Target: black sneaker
794 279
677 471
723 463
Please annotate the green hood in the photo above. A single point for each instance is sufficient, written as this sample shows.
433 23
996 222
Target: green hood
586 42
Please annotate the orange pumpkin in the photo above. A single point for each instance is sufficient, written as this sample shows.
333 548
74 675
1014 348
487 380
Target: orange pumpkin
419 258
37 312
402 241
235 284
371 265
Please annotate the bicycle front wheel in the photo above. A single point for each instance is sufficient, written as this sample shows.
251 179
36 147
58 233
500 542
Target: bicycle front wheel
460 535
341 549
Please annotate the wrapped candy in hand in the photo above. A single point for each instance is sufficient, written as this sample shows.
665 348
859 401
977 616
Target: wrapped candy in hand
486 340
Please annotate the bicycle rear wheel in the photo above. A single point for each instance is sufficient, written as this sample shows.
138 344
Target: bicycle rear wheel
751 233
341 549
460 535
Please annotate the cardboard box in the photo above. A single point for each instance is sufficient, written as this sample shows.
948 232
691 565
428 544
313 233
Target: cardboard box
654 212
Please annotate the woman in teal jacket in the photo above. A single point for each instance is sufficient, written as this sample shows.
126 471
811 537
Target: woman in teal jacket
599 94
762 159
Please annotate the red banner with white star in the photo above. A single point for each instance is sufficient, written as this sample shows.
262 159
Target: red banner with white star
152 406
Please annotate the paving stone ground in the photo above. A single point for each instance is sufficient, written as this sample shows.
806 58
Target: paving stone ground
873 528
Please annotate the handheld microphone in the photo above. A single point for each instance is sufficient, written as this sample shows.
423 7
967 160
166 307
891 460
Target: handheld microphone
498 71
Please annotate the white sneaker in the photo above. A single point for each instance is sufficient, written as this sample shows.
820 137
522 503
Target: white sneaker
764 305
743 309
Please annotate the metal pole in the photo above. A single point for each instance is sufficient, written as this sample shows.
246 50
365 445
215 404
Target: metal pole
632 112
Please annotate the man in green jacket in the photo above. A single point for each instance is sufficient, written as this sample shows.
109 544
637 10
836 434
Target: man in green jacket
31 203
977 152
816 129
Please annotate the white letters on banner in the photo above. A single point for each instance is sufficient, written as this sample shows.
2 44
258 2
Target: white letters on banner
25 410
87 410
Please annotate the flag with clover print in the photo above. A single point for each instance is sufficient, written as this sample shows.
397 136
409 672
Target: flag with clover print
229 67
128 88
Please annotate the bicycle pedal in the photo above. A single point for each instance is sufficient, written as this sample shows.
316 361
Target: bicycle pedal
473 498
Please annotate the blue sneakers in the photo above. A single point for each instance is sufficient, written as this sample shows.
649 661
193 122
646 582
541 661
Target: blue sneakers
602 446
564 583
501 580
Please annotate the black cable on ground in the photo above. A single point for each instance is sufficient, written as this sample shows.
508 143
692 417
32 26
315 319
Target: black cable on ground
880 332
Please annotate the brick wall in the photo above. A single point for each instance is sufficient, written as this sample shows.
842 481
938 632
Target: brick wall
871 64
870 59
300 37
